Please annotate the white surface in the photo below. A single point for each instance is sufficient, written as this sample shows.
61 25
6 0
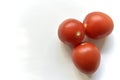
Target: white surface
29 46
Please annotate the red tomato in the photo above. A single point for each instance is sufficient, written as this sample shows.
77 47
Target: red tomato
98 25
71 32
86 57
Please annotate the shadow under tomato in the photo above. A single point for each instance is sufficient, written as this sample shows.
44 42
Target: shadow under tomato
93 76
66 48
99 43
104 45
80 75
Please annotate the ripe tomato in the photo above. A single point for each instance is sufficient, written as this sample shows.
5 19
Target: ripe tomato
71 32
98 25
86 57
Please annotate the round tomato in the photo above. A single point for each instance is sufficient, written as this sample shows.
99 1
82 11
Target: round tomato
86 57
98 25
71 32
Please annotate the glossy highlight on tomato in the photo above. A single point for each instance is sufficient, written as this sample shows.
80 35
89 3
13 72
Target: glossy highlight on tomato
98 25
86 57
71 32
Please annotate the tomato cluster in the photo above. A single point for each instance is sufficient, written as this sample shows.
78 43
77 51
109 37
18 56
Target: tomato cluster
85 55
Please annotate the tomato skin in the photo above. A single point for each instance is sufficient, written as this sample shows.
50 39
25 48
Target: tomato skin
98 25
71 32
86 57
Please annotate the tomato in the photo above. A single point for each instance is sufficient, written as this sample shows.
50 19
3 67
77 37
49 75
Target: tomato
71 32
86 57
98 25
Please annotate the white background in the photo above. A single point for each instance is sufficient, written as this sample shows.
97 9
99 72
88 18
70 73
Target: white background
31 50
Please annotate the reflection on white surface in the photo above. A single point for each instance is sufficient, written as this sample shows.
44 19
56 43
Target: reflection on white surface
29 46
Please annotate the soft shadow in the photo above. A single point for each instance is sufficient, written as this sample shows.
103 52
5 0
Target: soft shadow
104 45
65 48
99 43
80 75
93 76
108 45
